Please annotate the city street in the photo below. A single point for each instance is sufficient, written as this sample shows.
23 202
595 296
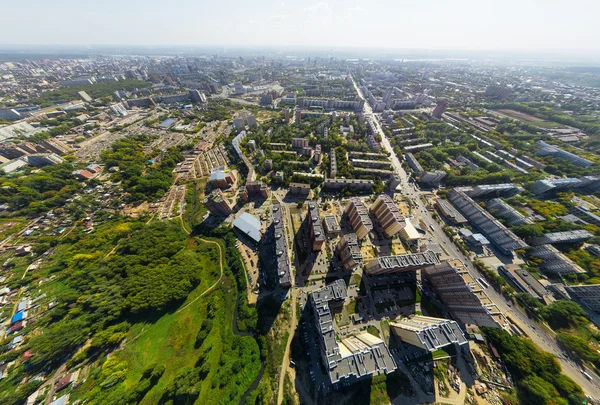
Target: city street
528 326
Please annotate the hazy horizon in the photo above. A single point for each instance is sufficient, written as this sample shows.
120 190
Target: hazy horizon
436 26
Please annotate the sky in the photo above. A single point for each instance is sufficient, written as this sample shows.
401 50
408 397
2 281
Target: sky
475 25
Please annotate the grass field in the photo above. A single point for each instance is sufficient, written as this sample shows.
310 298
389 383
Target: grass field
171 341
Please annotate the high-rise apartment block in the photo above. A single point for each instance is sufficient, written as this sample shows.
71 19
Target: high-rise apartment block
217 204
388 215
316 233
358 216
349 251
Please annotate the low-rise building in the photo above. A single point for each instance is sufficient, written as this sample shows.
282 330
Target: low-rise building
524 282
300 189
555 262
331 225
449 212
248 226
428 333
588 295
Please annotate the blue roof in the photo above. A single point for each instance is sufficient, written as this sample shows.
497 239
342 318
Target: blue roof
248 225
217 176
17 317
167 122
60 401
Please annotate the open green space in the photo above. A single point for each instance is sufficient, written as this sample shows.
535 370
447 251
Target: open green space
96 90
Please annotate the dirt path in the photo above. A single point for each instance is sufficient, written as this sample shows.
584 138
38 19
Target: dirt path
212 287
286 355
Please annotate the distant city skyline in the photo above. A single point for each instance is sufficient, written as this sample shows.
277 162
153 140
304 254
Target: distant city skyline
469 25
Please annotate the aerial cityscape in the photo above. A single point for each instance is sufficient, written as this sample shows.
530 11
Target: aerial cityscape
269 224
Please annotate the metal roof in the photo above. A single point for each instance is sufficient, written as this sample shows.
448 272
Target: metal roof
249 225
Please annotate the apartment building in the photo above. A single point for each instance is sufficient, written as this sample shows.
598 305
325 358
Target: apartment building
349 251
401 263
462 296
358 216
316 233
428 333
388 215
332 164
217 204
349 359
284 274
352 184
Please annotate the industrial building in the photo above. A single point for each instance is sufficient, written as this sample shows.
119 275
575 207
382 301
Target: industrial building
284 274
401 263
428 333
555 262
588 295
353 358
524 282
349 251
503 210
462 297
316 233
490 227
358 216
557 238
388 215
547 149
496 190
449 212
248 226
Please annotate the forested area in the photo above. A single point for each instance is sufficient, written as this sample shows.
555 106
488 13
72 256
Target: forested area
139 176
129 273
537 374
41 191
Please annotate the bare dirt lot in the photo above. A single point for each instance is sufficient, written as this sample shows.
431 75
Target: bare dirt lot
520 115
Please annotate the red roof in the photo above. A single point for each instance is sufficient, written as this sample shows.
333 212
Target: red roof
16 326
